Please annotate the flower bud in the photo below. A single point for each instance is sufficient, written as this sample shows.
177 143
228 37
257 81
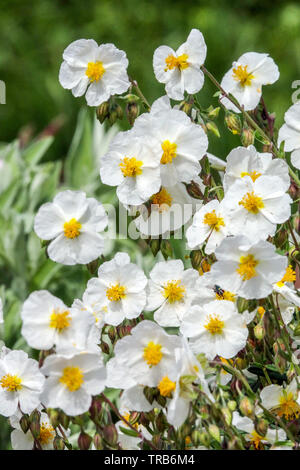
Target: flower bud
212 127
233 122
84 441
186 107
214 432
64 420
246 407
110 434
232 405
95 408
227 415
166 249
204 439
53 416
213 113
259 332
194 190
24 423
58 443
132 112
297 329
104 347
102 111
196 257
155 246
247 137
112 333
261 427
98 442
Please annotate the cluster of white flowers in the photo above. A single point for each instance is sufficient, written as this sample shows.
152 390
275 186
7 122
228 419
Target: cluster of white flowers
198 319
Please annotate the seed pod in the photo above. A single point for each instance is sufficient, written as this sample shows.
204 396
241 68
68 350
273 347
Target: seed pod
84 441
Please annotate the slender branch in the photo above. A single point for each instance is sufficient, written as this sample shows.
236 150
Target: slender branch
140 94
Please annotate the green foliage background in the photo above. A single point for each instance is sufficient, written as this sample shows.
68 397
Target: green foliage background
33 36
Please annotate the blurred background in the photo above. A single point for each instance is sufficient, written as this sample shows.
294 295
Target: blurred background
33 36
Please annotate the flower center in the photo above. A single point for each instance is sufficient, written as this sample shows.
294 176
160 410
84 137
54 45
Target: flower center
127 417
240 74
253 175
131 166
213 220
72 228
214 325
152 354
225 295
115 293
94 71
247 267
173 291
12 383
72 378
288 407
169 152
60 321
252 202
47 434
163 198
290 276
256 439
180 62
166 387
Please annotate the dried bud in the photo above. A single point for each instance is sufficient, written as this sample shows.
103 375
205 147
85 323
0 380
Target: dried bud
246 407
58 443
166 249
194 190
259 332
214 432
132 112
98 442
110 434
233 122
24 423
102 111
247 137
84 441
104 347
112 333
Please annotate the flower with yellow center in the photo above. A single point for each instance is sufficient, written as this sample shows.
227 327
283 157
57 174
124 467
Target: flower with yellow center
173 291
115 293
166 387
131 167
241 74
60 320
252 203
247 267
289 276
94 71
152 354
72 228
288 407
215 222
253 174
72 378
169 152
180 62
47 434
12 383
214 324
225 295
163 198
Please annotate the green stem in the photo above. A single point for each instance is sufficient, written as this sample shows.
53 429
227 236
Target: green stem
140 94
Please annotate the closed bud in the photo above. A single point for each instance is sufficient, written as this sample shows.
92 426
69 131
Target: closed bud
186 107
259 332
95 408
231 405
64 420
112 117
132 112
35 417
166 249
204 439
112 333
162 401
84 441
233 123
53 416
213 113
212 127
155 246
102 111
196 435
196 257
24 423
98 441
194 190
104 347
161 422
110 434
58 443
246 407
261 427
297 329
119 111
93 266
247 137
214 432
35 429
227 415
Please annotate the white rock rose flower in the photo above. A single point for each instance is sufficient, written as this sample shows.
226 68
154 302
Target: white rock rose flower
72 223
100 71
283 401
180 70
247 425
290 134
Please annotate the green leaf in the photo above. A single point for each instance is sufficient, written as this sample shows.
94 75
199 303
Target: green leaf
35 151
129 432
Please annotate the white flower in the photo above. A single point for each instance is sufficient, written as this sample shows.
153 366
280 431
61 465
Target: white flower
285 402
20 383
120 287
171 290
101 69
1 311
147 354
254 208
209 223
215 329
208 290
243 162
25 441
73 222
47 321
132 164
180 142
247 268
246 77
180 70
171 208
290 134
287 296
72 380
246 424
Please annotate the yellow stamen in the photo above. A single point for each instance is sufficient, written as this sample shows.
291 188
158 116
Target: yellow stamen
12 383
252 202
115 293
226 295
214 325
131 167
261 311
72 378
213 220
60 321
180 62
162 198
152 354
166 387
289 276
173 291
127 417
94 71
247 267
204 268
169 152
47 434
256 440
288 408
240 74
72 228
253 175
